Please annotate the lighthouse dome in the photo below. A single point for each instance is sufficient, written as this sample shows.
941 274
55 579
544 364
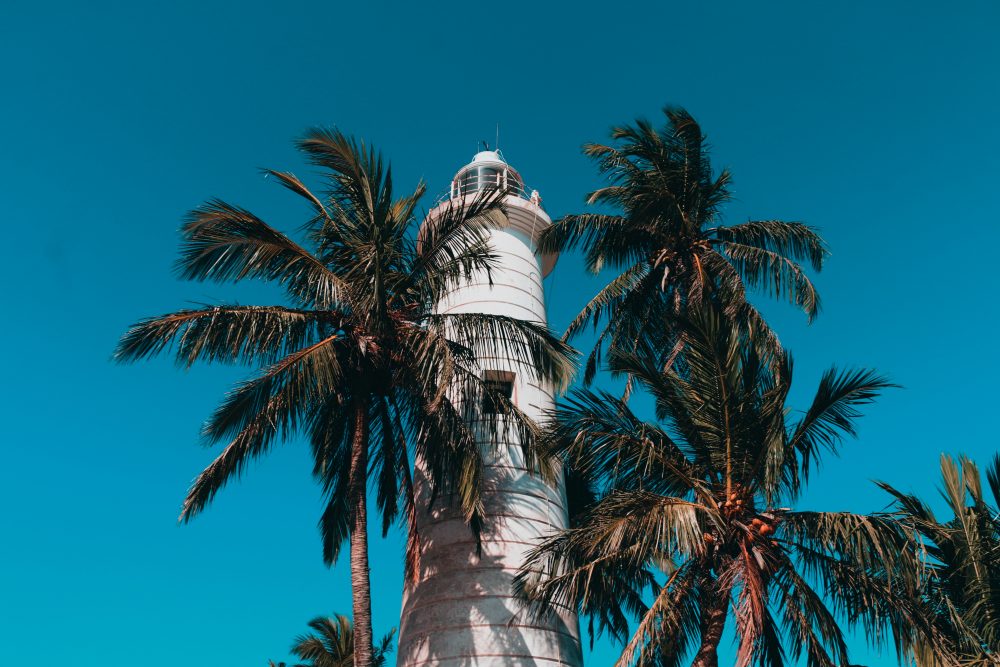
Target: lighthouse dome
488 169
523 208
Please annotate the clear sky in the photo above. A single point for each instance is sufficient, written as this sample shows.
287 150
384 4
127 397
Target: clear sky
876 122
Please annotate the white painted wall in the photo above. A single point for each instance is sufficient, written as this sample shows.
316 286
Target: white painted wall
461 612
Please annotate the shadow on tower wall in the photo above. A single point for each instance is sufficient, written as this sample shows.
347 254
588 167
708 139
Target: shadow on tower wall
461 611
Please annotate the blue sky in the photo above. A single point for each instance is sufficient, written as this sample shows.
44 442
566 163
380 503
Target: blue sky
876 122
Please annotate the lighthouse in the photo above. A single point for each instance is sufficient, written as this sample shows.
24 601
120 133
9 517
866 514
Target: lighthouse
459 611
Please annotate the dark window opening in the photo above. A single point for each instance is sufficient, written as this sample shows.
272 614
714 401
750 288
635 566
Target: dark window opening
494 389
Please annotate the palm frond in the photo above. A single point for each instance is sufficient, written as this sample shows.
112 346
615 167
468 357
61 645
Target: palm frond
292 183
258 411
602 439
810 626
527 347
669 622
225 334
453 243
227 243
795 241
611 299
355 174
832 415
871 542
771 271
328 429
604 589
993 478
383 649
585 229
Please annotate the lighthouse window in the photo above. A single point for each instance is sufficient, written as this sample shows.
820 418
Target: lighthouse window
488 176
497 386
476 177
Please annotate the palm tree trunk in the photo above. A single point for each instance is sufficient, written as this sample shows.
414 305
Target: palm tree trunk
714 610
360 575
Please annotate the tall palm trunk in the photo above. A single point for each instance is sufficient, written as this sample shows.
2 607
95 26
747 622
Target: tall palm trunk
360 575
714 610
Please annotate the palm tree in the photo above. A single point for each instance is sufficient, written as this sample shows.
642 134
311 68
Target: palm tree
962 583
331 644
690 511
667 243
359 361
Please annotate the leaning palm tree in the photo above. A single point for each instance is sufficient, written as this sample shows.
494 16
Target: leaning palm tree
665 240
331 644
358 360
691 512
963 580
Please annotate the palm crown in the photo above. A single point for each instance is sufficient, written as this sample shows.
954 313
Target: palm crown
667 241
687 512
359 362
962 584
331 644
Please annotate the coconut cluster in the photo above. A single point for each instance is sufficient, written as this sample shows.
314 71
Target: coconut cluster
739 509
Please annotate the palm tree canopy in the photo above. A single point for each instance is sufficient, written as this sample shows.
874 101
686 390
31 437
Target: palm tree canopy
681 520
331 644
666 241
358 351
962 584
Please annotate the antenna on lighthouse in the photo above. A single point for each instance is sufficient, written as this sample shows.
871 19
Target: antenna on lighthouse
496 146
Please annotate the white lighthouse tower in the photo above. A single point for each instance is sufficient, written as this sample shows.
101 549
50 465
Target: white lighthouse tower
460 611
